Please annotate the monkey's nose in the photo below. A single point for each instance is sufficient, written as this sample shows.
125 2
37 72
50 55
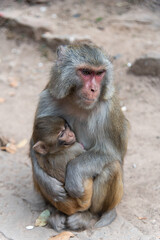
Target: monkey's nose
94 88
70 134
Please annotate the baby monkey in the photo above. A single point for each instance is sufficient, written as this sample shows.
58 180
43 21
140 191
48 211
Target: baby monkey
55 145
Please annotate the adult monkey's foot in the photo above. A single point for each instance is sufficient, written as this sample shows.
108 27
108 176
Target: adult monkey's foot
57 221
80 221
106 219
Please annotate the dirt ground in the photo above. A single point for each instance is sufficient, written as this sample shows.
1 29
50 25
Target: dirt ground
125 31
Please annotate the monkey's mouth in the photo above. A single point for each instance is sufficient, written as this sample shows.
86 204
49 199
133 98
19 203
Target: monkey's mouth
88 100
70 143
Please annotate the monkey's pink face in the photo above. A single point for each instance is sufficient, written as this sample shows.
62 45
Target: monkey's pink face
91 79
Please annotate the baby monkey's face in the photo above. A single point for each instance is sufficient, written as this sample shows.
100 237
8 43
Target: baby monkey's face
66 136
61 138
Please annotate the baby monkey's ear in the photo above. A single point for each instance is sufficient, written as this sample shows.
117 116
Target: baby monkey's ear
41 147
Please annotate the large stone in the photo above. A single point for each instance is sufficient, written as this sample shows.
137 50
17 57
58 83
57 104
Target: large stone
36 29
24 25
53 41
148 65
37 1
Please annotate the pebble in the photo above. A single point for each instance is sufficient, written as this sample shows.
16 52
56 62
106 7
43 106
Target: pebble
134 165
12 64
129 64
15 51
77 15
40 65
117 56
54 16
43 9
153 221
12 94
100 28
124 108
29 227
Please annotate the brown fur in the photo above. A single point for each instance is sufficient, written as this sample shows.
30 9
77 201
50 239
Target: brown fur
55 165
73 205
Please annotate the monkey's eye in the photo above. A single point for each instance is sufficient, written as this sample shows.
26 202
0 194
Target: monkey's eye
100 73
86 71
61 133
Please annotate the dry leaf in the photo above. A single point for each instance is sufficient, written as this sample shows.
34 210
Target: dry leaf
7 145
3 141
41 221
2 100
142 218
62 236
22 143
10 148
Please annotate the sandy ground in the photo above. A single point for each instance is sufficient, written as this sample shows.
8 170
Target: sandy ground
124 31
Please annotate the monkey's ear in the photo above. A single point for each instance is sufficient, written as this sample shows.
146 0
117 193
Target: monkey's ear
61 52
40 147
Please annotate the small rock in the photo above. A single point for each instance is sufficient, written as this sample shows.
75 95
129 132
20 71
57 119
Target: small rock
43 9
54 16
77 15
124 108
40 65
12 64
2 100
3 78
15 51
13 82
12 94
117 56
134 165
101 28
153 221
129 64
29 227
37 1
148 65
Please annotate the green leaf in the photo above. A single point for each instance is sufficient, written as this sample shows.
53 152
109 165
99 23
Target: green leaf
99 19
41 221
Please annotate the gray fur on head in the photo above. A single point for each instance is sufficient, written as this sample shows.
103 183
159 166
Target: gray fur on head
69 58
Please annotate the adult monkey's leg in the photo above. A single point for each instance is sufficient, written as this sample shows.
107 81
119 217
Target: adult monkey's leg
107 193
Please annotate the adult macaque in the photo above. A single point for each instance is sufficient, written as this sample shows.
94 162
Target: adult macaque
56 145
81 91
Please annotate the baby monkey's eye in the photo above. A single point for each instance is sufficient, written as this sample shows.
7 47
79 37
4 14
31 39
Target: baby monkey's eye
62 133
